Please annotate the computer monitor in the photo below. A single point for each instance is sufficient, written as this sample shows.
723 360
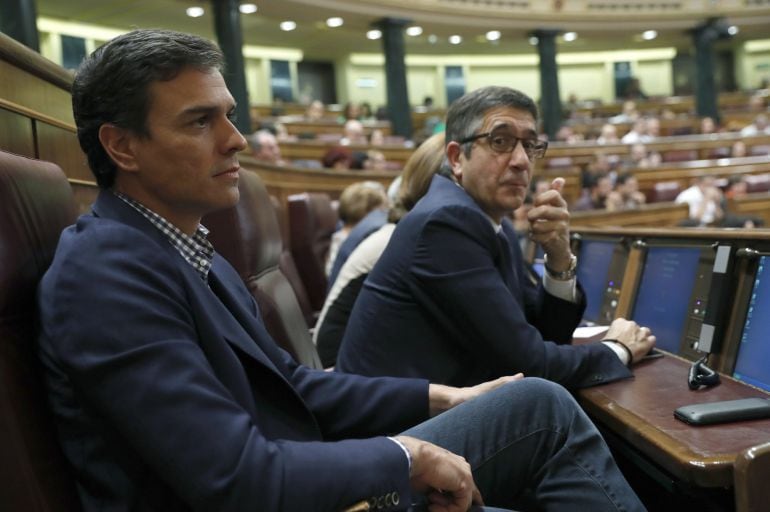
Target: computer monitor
752 364
594 261
672 295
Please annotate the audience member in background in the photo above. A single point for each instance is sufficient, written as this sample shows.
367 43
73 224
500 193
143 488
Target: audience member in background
608 135
626 195
757 103
377 137
353 133
338 157
704 200
638 133
450 297
595 198
315 111
415 178
628 114
708 125
365 112
640 158
567 135
633 90
738 149
653 129
350 111
355 202
371 160
264 147
737 187
760 126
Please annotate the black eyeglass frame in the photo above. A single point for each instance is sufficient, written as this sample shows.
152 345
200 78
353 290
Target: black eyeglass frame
536 152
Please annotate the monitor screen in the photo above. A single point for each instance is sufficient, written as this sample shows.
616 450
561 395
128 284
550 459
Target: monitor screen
665 288
592 270
753 362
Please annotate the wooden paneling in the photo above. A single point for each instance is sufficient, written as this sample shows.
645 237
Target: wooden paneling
753 205
281 182
315 150
61 146
655 214
16 134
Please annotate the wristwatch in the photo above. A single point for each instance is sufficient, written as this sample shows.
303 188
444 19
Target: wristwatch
564 275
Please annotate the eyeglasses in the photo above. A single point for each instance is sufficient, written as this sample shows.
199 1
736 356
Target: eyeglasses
503 141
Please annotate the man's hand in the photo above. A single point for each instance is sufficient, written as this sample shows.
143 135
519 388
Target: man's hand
549 225
638 339
443 398
442 476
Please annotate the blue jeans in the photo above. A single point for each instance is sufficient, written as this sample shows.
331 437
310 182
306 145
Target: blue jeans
531 446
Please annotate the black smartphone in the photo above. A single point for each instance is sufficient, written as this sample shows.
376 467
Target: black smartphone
724 411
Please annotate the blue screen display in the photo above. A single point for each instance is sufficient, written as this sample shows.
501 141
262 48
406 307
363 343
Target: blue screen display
753 362
665 288
593 266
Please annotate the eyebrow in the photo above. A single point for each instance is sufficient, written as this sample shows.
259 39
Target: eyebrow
529 132
203 109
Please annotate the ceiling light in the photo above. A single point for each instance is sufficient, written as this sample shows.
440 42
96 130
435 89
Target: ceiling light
533 40
247 8
493 35
374 34
433 39
334 22
570 36
288 26
195 12
414 30
455 39
733 29
649 35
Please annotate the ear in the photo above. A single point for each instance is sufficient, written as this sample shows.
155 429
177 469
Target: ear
117 142
454 152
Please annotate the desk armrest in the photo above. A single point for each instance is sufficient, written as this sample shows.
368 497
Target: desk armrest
751 474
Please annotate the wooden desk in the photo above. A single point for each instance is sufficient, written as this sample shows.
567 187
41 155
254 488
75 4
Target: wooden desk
641 411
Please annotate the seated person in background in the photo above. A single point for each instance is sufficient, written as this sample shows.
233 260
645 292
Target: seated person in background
626 195
315 111
601 164
356 201
629 114
609 135
738 149
638 133
350 111
708 126
377 138
354 134
418 170
760 126
640 158
704 200
449 298
264 147
595 197
169 394
338 158
736 189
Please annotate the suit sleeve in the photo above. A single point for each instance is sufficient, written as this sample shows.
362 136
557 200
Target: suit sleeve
122 331
454 274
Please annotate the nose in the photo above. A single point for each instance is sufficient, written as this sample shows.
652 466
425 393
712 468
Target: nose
519 158
233 140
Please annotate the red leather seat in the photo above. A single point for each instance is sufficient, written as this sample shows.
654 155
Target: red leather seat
249 237
36 203
679 155
665 191
312 221
757 183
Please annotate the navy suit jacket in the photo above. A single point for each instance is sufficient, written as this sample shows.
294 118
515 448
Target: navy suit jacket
169 394
450 301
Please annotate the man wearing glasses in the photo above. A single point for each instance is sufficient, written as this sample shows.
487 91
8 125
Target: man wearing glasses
449 299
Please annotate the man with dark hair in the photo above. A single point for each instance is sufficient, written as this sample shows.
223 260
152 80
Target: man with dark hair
168 392
449 299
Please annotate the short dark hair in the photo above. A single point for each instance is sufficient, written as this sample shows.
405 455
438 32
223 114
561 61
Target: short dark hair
111 85
467 113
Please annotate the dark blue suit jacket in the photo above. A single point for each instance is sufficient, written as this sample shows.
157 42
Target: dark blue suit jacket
451 302
170 395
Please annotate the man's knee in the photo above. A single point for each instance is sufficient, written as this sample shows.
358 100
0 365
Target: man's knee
533 395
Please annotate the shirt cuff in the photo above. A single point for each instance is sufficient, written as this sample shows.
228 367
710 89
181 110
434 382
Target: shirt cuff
406 452
565 290
619 351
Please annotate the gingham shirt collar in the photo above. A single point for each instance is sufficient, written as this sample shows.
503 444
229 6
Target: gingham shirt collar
196 249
